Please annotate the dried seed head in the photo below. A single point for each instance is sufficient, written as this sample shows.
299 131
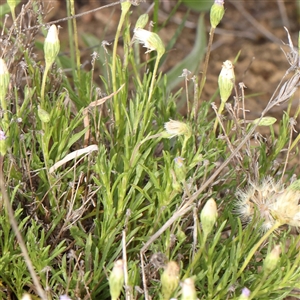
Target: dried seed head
150 40
116 279
170 279
226 80
270 202
216 13
51 45
176 128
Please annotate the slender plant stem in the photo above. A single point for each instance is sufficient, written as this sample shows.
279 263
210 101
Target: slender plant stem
257 245
153 77
221 108
125 8
47 67
257 288
77 52
203 78
195 260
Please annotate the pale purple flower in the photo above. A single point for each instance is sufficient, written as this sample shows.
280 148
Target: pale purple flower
2 135
64 297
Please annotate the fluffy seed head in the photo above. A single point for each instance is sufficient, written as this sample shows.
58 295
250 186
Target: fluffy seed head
270 202
150 40
175 128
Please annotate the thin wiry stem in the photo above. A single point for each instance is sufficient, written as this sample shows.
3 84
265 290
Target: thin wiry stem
17 232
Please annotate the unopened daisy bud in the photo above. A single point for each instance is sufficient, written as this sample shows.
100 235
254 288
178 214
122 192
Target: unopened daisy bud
226 80
265 121
216 13
150 40
125 5
209 216
43 115
295 186
26 297
169 279
51 45
175 128
180 169
142 21
116 279
272 259
245 294
188 291
4 80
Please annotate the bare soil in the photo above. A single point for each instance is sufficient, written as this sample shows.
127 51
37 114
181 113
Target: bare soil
256 28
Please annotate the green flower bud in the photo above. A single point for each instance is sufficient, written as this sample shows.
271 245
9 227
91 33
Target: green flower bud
209 216
4 80
125 5
169 279
150 40
216 13
26 297
272 259
188 291
179 169
175 184
142 21
295 186
51 45
180 235
265 121
116 279
226 80
43 115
